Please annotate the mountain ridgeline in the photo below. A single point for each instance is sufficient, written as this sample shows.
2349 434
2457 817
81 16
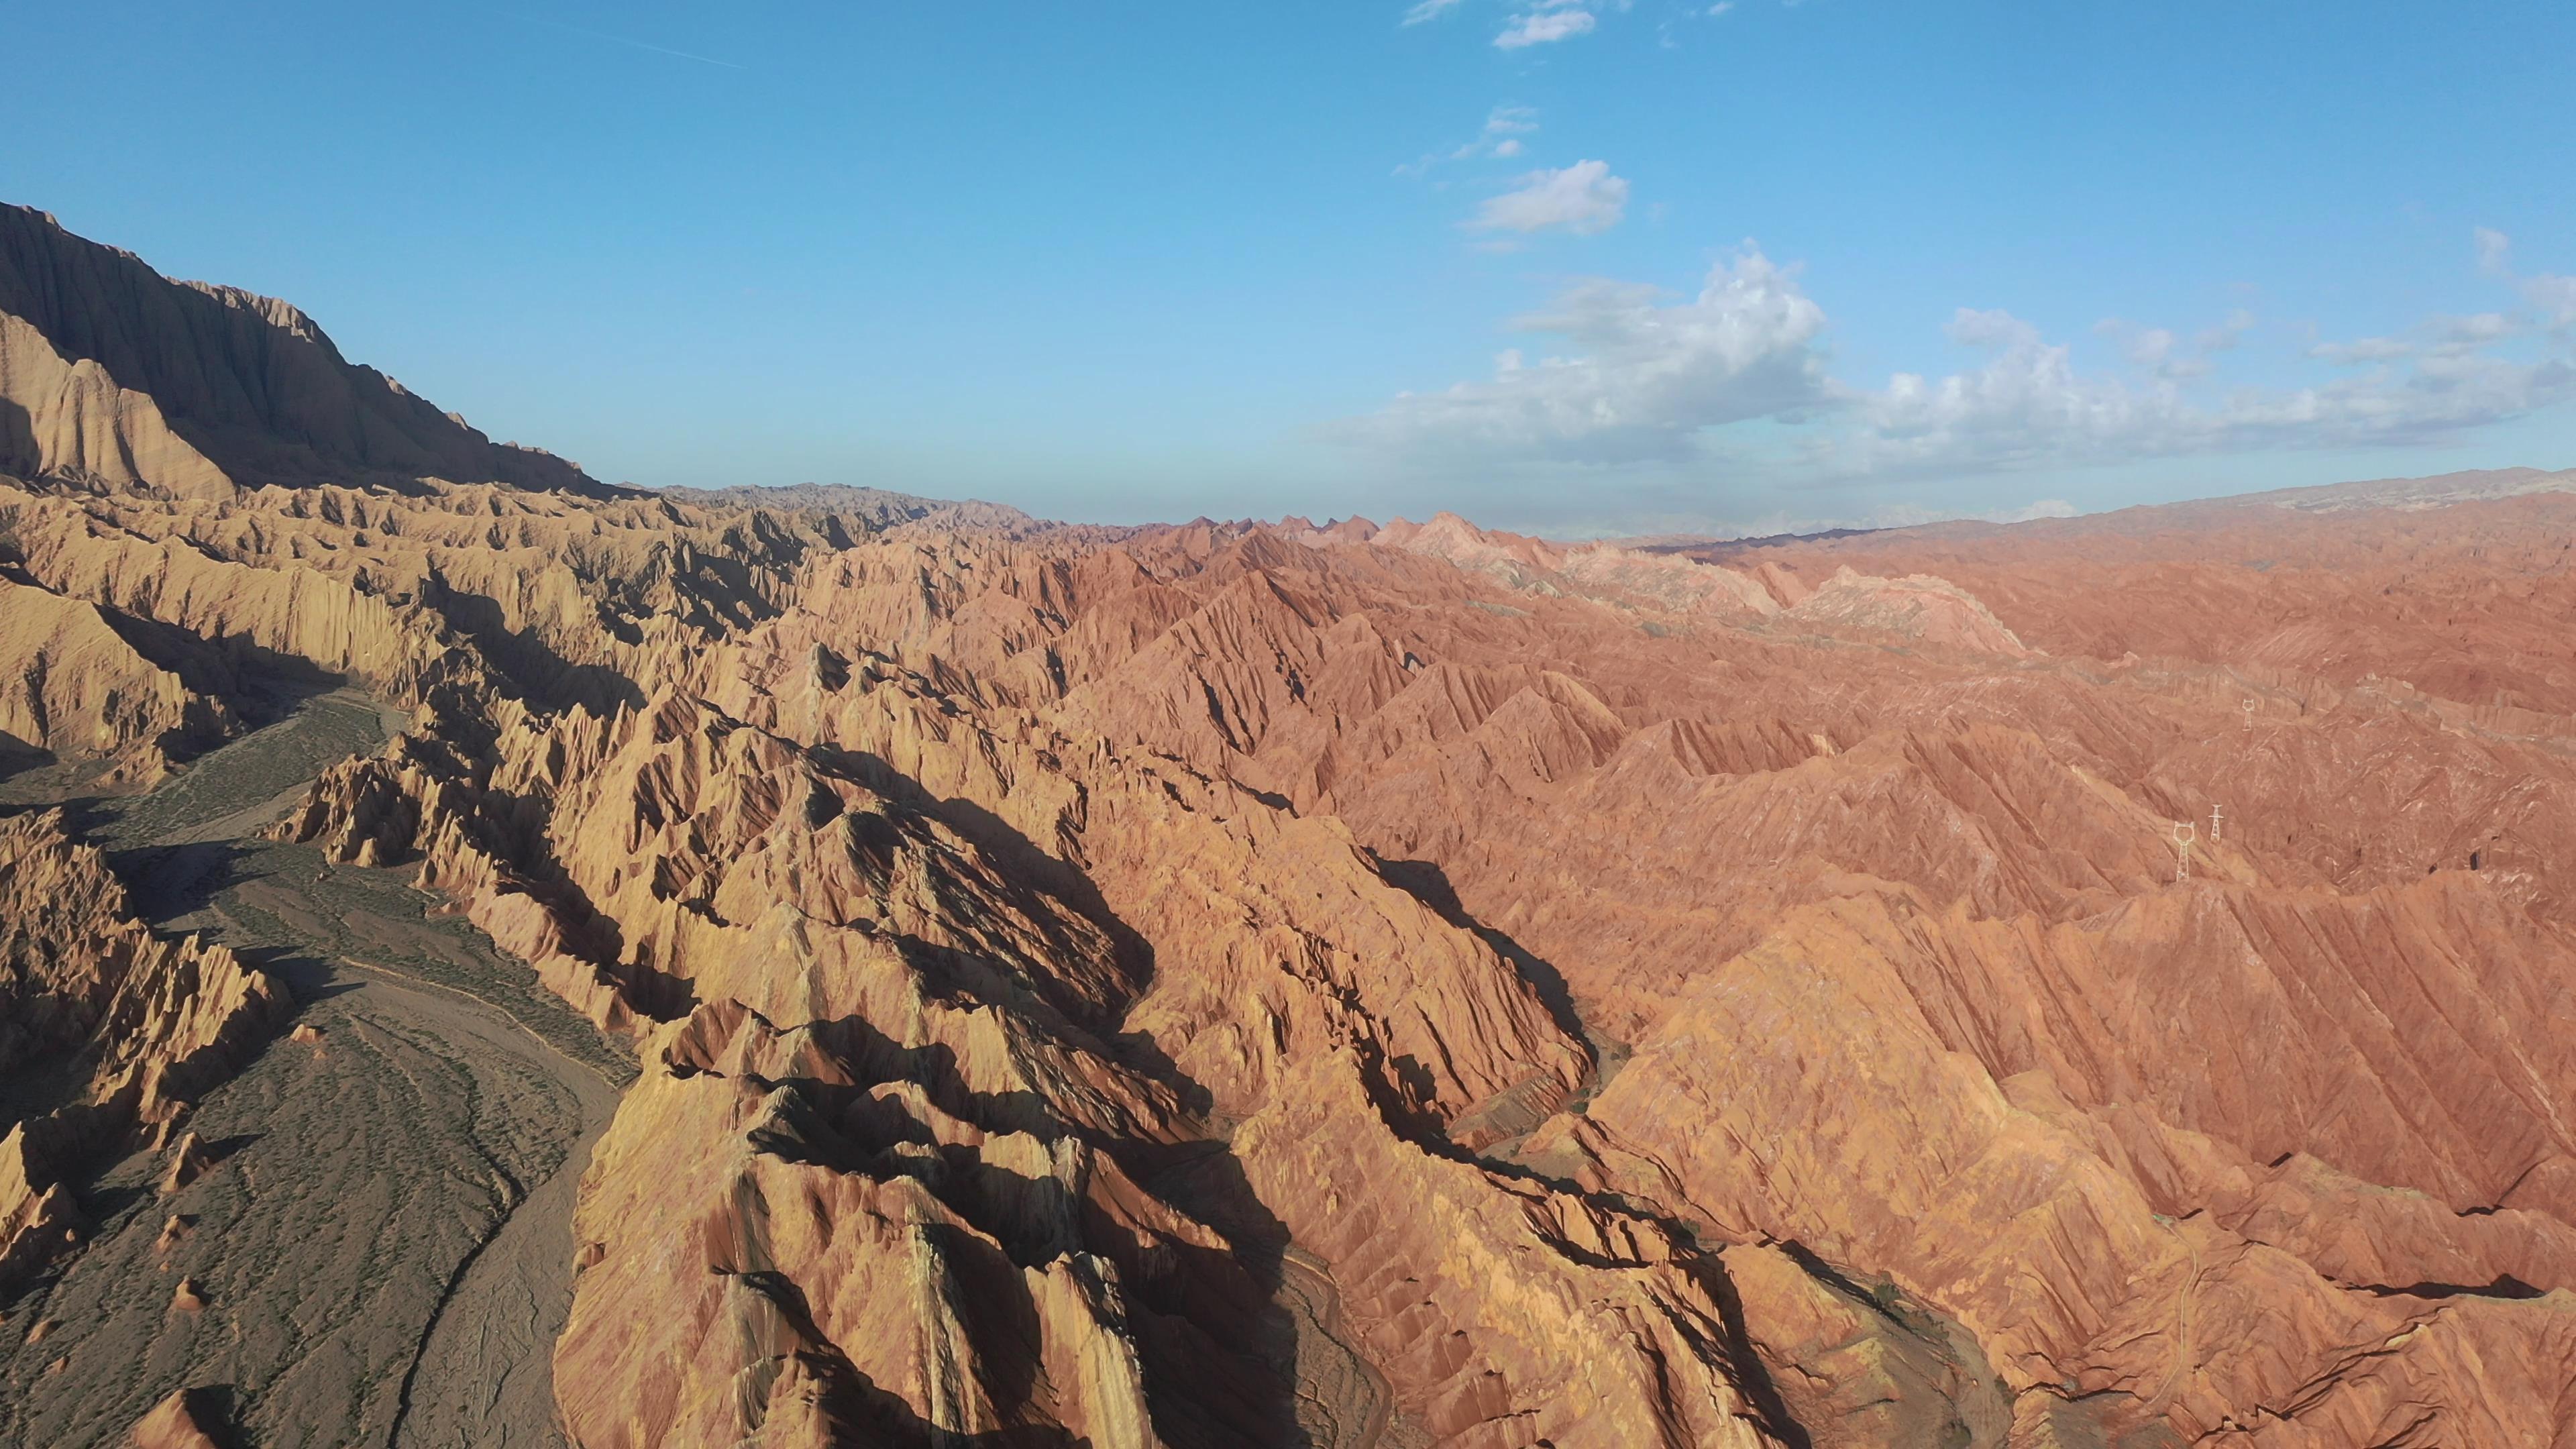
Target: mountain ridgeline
488 956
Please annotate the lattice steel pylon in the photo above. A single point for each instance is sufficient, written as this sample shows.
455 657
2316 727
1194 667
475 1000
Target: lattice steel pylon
2184 834
2213 825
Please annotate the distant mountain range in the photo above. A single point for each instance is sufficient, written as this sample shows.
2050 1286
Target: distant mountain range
875 506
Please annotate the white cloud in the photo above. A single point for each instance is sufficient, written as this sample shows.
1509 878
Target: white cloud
1583 198
1642 375
2367 349
1539 27
2029 406
1720 8
2162 351
2452 335
1986 329
2438 397
1429 10
2027 403
2554 297
2151 348
1639 377
2223 337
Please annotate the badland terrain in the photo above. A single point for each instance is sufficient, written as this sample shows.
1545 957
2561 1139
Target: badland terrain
488 957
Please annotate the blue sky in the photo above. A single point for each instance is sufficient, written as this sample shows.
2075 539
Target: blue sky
1571 265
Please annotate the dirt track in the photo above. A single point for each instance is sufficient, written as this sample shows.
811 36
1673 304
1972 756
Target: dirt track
383 1245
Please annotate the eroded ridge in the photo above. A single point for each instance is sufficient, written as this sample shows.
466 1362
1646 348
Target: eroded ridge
821 969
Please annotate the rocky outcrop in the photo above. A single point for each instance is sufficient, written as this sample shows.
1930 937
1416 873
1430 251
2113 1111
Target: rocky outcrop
74 686
133 1027
38 1218
184 1420
839 1258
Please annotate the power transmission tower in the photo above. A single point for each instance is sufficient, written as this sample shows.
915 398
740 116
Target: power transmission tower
2184 834
2213 825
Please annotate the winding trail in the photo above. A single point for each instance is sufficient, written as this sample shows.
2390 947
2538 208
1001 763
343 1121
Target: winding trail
384 1241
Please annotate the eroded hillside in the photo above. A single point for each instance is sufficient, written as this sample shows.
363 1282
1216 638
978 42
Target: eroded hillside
820 971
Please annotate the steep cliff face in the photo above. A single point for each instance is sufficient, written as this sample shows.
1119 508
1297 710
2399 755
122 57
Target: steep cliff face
62 417
113 373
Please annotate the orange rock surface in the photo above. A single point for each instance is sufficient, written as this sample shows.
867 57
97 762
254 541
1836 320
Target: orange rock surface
76 687
1934 1089
1413 985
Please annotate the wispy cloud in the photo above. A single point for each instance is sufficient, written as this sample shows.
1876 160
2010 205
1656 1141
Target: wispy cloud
2552 297
1501 136
1539 27
2555 297
1535 22
1504 128
2359 351
1584 199
2467 334
2492 247
2165 353
625 40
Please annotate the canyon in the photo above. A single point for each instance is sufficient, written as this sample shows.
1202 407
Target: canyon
489 956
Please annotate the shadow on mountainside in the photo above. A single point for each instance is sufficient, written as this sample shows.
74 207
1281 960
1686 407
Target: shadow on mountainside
1229 1356
1022 864
1233 1352
1426 882
19 456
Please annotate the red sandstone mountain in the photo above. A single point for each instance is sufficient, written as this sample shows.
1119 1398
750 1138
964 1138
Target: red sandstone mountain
1411 985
